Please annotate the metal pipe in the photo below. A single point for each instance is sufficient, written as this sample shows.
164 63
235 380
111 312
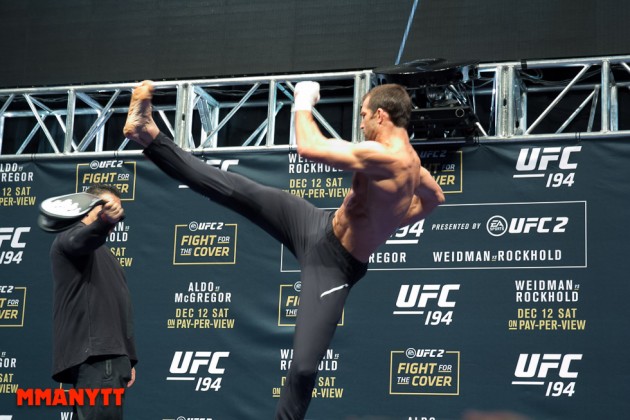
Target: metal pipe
557 99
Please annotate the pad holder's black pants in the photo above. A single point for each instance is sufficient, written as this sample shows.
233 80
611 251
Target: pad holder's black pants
101 372
328 270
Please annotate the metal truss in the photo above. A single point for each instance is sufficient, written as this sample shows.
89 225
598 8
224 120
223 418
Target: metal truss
575 98
534 100
193 112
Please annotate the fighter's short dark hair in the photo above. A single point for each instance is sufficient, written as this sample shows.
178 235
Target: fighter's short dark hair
393 99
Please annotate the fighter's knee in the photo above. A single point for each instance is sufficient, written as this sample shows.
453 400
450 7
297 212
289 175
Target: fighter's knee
303 370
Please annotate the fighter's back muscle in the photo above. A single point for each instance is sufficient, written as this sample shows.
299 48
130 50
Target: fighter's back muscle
374 208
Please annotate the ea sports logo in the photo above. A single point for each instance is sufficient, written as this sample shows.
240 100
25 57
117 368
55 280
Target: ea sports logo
193 226
497 225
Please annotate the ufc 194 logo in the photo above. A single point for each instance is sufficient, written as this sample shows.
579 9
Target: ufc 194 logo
203 367
12 236
218 163
407 235
415 299
535 163
537 369
222 164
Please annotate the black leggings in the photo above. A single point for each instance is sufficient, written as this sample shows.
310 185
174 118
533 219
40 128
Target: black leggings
328 270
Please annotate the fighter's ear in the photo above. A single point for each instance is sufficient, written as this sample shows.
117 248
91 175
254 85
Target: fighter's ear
381 115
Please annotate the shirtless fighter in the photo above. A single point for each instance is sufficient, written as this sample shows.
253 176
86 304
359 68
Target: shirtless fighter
390 189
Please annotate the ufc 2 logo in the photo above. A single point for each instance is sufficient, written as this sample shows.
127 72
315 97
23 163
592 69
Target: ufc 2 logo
192 361
539 366
538 158
95 164
419 296
538 224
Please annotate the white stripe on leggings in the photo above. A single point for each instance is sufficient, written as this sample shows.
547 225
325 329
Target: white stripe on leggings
334 289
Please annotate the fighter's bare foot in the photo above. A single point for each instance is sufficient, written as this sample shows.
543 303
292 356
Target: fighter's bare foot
140 126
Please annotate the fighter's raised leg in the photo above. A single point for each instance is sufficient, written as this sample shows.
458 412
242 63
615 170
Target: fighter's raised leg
286 217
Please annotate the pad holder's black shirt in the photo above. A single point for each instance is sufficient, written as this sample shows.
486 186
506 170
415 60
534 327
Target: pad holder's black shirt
92 313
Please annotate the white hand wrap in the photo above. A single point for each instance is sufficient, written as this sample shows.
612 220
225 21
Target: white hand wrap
306 96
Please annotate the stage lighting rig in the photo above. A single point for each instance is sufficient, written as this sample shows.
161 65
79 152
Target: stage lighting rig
442 107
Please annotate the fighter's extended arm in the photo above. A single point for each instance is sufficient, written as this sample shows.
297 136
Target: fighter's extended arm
427 197
369 157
